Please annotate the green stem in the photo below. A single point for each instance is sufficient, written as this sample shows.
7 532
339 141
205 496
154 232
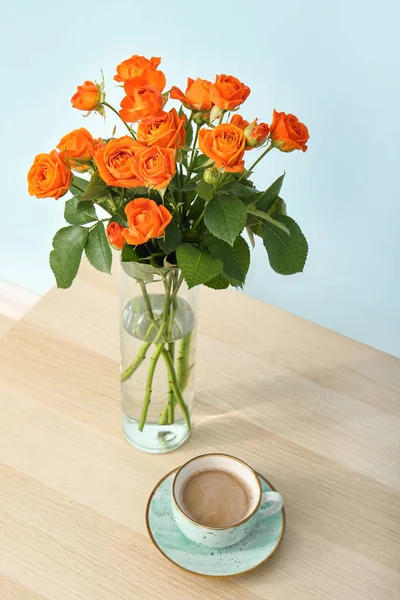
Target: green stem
183 361
247 171
171 397
156 355
175 205
192 113
117 113
111 202
170 405
149 382
141 355
129 371
199 219
167 415
164 417
180 174
175 386
193 156
146 299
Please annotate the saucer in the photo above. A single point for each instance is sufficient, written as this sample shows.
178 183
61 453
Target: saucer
244 556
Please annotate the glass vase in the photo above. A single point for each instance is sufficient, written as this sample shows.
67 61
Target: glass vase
158 349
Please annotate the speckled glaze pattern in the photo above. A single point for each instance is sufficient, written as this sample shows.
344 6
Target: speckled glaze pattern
210 537
243 556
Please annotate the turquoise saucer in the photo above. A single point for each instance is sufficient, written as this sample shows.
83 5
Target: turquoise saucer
248 554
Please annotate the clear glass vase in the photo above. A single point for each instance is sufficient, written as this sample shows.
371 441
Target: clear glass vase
158 349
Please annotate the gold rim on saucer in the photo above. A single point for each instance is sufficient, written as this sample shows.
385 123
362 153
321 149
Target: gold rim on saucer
205 574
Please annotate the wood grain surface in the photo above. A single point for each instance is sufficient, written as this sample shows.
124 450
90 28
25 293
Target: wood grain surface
315 412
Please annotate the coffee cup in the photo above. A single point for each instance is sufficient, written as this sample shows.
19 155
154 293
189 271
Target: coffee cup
234 491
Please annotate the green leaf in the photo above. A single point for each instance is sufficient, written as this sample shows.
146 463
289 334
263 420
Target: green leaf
267 198
252 210
137 192
200 161
96 189
65 258
204 190
236 258
287 254
172 238
242 191
98 250
190 187
79 213
278 207
78 185
197 266
218 283
225 217
129 253
180 111
189 133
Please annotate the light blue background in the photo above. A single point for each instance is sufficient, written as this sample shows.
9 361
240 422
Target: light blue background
335 65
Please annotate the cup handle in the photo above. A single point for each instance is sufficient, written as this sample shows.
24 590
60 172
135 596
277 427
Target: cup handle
274 497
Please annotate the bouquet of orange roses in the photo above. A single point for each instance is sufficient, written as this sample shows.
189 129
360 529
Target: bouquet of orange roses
174 192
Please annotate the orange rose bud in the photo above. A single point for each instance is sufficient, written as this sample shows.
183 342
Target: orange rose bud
87 96
154 166
239 121
228 92
49 176
115 162
114 235
225 145
144 98
134 67
288 133
197 95
79 147
256 133
146 220
166 130
98 143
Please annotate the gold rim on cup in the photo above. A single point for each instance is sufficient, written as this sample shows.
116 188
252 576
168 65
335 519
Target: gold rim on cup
253 512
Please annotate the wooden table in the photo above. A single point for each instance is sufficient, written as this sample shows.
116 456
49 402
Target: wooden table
317 413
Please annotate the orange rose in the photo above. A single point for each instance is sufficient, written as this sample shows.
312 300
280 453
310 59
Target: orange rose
134 67
155 79
154 166
114 235
79 146
197 96
287 133
146 220
144 98
225 145
115 162
166 130
228 92
87 96
49 176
